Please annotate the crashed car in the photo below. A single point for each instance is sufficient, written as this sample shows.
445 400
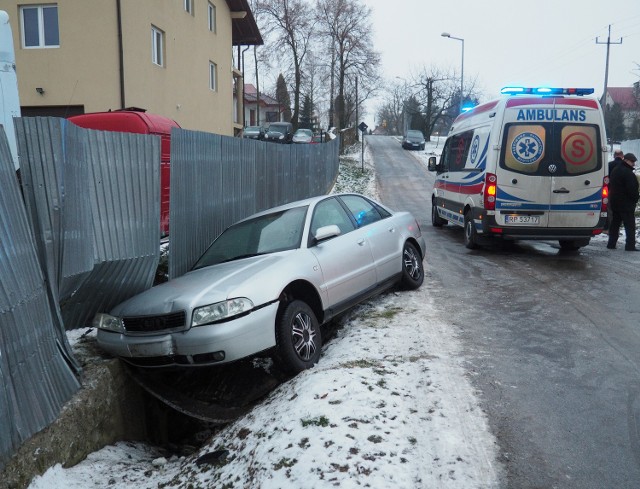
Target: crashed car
267 283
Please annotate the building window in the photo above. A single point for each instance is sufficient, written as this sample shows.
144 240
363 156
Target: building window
212 17
157 46
188 6
213 76
40 26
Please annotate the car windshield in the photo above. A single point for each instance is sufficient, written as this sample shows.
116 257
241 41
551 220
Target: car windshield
304 132
252 129
278 128
414 134
270 233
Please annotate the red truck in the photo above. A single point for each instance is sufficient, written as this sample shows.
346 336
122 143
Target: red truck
138 121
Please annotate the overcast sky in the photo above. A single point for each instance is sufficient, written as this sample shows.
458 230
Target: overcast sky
547 42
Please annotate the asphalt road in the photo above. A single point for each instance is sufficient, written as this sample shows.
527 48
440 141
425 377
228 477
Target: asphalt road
551 340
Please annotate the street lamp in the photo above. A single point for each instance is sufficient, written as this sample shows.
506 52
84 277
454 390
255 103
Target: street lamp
446 34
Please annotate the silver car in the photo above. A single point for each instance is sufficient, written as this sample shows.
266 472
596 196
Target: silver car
269 282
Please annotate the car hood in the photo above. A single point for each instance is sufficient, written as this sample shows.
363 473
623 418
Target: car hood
257 278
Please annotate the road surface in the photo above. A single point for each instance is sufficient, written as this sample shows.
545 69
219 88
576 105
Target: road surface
551 339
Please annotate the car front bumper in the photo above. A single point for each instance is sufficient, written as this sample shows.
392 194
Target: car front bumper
201 345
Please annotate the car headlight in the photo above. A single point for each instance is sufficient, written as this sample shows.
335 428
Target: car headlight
108 322
220 311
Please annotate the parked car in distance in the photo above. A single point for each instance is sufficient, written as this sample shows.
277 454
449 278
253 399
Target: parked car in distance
318 138
303 136
279 132
253 132
267 283
413 140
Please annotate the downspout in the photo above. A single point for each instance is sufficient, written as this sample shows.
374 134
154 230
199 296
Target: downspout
120 53
244 117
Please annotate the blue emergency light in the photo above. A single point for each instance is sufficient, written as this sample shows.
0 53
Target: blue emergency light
546 91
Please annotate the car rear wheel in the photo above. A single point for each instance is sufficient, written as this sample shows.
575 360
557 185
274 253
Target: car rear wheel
412 271
298 337
470 234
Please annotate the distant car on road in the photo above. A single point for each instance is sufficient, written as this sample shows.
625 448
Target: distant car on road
303 136
267 283
253 132
279 132
413 140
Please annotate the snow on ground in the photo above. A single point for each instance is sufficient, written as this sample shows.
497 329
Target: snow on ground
388 406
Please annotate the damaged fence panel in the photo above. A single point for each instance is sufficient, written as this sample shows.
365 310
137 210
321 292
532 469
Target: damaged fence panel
35 378
93 199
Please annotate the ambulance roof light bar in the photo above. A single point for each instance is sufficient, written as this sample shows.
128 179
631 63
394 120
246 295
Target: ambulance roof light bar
546 91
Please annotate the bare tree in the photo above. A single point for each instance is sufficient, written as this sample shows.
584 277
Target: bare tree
430 100
291 24
393 110
346 23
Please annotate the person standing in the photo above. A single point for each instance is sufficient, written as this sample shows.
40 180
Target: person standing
623 197
618 156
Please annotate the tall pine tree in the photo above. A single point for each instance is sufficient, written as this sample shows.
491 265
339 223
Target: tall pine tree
282 96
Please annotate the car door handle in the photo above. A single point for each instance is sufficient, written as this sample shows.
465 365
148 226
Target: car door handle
361 242
561 191
392 230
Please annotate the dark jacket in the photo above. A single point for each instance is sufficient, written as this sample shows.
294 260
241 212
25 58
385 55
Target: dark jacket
623 189
615 162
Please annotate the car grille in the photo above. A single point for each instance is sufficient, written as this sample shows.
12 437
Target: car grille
150 324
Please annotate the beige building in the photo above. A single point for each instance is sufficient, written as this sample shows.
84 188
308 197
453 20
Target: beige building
171 57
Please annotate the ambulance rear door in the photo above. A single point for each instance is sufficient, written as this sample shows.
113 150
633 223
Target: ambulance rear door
550 168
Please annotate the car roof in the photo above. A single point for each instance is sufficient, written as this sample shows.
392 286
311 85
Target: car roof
311 201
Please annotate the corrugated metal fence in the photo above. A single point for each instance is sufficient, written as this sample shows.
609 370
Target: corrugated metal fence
84 236
35 379
217 180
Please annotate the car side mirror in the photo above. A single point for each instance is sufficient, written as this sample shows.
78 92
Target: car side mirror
327 232
432 163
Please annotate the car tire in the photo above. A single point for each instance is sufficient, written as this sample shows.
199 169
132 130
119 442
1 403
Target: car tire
298 337
470 234
436 220
412 270
572 244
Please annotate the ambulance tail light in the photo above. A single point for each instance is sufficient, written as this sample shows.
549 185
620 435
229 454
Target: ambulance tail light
605 195
490 191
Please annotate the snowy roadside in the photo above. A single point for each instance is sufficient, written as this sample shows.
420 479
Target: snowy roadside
389 405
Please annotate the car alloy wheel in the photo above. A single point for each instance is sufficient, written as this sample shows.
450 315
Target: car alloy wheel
412 271
298 336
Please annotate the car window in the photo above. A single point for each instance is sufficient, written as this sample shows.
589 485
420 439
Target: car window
330 212
456 151
414 134
277 231
363 211
572 148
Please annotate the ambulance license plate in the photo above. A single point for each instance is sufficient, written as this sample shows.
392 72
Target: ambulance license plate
520 219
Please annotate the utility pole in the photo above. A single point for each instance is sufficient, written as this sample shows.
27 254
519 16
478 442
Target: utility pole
606 70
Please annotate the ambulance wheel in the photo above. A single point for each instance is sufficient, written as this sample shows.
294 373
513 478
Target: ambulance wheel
470 234
573 244
436 220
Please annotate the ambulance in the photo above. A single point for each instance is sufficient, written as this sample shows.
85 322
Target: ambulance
531 165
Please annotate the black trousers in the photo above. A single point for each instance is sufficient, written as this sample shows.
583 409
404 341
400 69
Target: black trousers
629 221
